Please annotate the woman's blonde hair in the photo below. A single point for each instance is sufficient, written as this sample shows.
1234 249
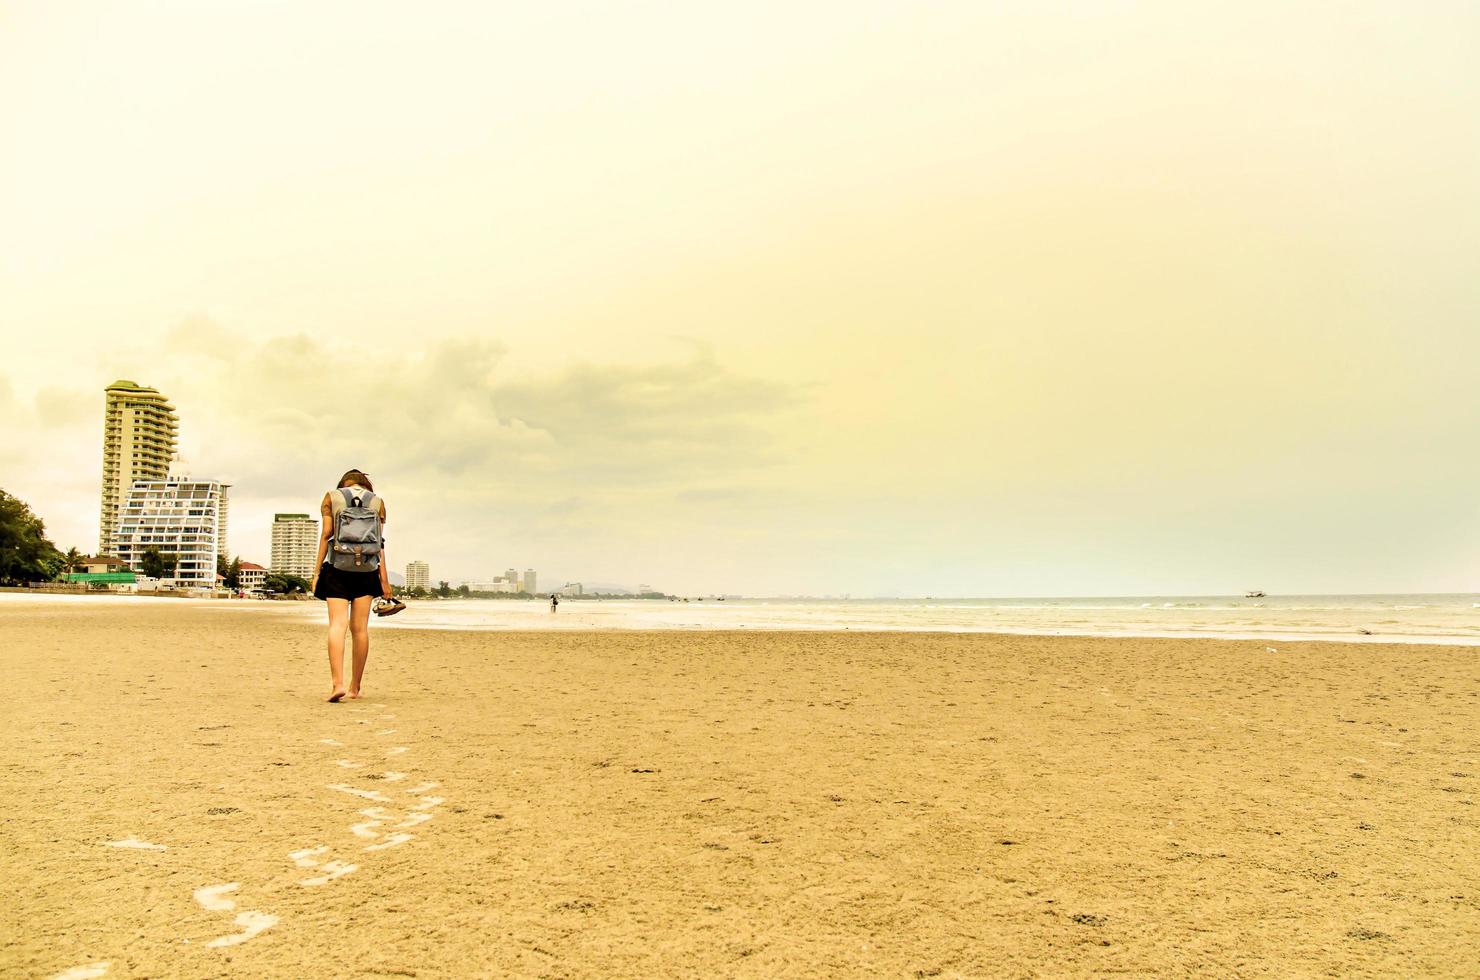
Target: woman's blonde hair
356 478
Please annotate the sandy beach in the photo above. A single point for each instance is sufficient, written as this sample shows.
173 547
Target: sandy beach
177 800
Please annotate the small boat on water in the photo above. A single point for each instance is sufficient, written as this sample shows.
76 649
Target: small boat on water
1256 594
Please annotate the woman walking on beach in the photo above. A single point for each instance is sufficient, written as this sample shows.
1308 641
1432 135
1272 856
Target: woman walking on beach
351 574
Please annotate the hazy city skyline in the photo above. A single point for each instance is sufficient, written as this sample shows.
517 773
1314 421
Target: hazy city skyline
866 298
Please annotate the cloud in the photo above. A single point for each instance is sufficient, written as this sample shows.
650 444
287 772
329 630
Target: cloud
668 423
468 451
51 458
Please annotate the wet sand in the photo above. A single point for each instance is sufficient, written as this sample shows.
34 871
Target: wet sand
727 804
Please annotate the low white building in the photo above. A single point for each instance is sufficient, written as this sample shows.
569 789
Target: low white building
497 585
252 576
101 565
182 519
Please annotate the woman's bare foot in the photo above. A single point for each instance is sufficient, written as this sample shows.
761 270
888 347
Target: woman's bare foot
337 696
354 695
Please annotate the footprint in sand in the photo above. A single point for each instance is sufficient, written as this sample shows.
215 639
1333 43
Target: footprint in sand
304 858
135 844
392 841
331 870
365 794
252 923
366 829
89 972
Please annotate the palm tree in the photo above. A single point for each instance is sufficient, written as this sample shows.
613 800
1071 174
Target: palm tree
72 559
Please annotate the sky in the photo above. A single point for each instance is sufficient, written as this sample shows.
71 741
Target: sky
863 298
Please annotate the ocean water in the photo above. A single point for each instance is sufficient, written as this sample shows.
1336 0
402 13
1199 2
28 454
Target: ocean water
1444 619
1447 619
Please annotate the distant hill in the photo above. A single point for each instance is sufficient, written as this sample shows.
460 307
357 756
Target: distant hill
608 588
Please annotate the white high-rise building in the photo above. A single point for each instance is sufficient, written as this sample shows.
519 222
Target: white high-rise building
527 584
221 523
418 575
295 544
177 516
139 430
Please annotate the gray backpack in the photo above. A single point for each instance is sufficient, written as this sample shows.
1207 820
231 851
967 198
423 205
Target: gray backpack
357 532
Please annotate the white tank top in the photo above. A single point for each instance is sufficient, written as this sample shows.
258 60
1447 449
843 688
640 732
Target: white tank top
336 503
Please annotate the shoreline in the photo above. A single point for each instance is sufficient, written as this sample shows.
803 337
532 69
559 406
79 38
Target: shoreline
530 616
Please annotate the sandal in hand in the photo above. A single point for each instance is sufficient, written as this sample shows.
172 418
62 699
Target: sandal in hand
386 607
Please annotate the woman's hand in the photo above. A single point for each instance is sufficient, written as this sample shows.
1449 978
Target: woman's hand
385 592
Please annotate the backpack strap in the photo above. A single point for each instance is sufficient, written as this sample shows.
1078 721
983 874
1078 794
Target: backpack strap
367 497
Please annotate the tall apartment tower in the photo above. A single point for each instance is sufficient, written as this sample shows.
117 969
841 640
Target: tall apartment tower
418 575
176 516
295 544
528 582
222 512
139 430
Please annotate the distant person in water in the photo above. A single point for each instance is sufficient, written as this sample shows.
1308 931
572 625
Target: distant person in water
351 572
554 601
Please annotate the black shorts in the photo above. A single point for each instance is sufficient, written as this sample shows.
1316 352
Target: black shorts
336 583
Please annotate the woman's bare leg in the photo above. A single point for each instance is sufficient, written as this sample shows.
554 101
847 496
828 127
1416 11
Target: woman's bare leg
359 628
338 621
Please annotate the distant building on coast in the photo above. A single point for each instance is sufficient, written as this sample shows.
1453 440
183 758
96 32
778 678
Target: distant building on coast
252 577
101 565
527 584
497 585
572 588
102 570
139 433
295 544
181 518
418 575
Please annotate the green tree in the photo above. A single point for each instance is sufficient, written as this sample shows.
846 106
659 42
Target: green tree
158 564
233 574
443 590
25 553
283 583
463 590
